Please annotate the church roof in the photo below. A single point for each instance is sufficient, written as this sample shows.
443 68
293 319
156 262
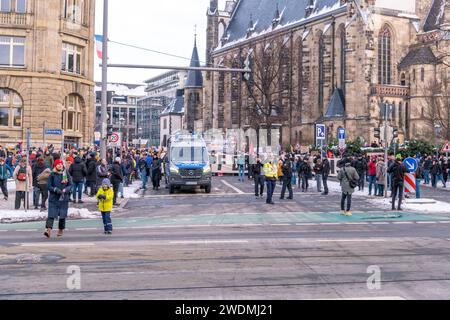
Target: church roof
336 107
194 78
263 12
435 16
176 105
422 55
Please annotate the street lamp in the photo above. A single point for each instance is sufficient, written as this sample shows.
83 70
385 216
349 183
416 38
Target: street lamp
140 136
437 132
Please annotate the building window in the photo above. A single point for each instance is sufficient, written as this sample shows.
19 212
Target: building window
5 5
21 6
403 79
165 124
385 56
74 11
414 74
422 74
71 58
12 51
72 113
11 106
343 40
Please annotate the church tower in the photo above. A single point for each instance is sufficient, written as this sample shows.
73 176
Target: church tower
193 93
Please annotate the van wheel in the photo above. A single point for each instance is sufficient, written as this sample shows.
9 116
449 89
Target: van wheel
208 189
171 189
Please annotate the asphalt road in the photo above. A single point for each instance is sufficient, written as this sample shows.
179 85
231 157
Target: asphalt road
229 245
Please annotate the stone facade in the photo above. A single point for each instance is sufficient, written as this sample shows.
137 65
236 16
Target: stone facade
55 79
347 53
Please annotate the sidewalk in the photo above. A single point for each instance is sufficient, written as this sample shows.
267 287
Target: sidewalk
87 210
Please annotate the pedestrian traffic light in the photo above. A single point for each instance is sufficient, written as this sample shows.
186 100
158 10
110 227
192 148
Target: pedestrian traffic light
110 129
395 133
377 133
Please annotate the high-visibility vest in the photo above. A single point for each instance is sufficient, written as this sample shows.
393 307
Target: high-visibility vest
270 171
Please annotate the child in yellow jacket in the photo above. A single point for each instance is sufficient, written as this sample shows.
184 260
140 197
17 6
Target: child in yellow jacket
105 197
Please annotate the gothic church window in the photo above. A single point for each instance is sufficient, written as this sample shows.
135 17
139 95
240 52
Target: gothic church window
321 72
342 35
422 74
385 56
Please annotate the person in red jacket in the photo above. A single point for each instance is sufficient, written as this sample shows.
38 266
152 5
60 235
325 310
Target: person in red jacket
372 172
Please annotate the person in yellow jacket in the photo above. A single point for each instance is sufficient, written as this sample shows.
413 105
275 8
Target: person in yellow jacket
105 197
271 175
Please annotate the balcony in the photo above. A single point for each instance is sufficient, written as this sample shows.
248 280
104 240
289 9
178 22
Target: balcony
14 19
389 90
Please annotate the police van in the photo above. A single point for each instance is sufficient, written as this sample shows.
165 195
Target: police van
188 163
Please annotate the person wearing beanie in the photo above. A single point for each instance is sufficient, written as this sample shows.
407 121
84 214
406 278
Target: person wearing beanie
105 197
59 187
5 173
397 171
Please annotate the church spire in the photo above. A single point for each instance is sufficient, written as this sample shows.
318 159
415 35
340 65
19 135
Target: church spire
194 77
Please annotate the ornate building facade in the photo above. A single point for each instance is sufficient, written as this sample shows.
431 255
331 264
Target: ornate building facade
46 70
342 61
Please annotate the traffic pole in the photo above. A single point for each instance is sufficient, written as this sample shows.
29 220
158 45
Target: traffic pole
27 182
104 80
385 150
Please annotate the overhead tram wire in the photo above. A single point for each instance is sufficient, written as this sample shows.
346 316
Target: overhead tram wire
155 51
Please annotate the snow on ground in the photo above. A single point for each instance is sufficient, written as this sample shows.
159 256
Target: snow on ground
130 192
423 206
14 216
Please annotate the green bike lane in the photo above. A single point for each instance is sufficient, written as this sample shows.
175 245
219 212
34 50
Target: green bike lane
242 219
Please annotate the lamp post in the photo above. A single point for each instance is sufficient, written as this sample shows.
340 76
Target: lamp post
104 101
437 132
140 136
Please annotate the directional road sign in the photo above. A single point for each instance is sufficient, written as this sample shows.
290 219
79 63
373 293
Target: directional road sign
411 164
341 137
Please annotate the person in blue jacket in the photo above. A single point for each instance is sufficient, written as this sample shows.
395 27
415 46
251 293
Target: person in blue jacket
60 187
5 173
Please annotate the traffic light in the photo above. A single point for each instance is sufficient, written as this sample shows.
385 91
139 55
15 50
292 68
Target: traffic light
109 129
395 133
377 133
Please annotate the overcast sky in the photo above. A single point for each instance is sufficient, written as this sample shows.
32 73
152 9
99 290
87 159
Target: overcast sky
159 25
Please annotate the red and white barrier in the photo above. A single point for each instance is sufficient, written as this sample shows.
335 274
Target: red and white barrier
410 182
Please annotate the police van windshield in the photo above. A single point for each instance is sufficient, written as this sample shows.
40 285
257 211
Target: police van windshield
189 154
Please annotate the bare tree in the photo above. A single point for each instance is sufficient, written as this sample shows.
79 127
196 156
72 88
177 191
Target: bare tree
436 110
266 85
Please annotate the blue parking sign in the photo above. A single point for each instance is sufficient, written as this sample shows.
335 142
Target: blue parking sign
320 132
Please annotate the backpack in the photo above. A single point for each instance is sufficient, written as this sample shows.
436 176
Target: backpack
22 174
351 182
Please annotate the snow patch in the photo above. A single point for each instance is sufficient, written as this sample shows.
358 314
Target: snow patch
14 216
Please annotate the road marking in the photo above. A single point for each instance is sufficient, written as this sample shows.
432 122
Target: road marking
356 223
366 298
306 224
330 224
403 222
351 240
73 244
232 187
444 222
3 230
87 229
380 223
208 241
280 224
426 222
27 230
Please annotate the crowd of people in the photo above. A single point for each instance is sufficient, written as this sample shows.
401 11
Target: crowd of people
68 177
63 178
354 172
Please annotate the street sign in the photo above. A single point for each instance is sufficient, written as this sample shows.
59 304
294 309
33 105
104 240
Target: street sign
411 164
446 147
57 132
115 140
320 131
